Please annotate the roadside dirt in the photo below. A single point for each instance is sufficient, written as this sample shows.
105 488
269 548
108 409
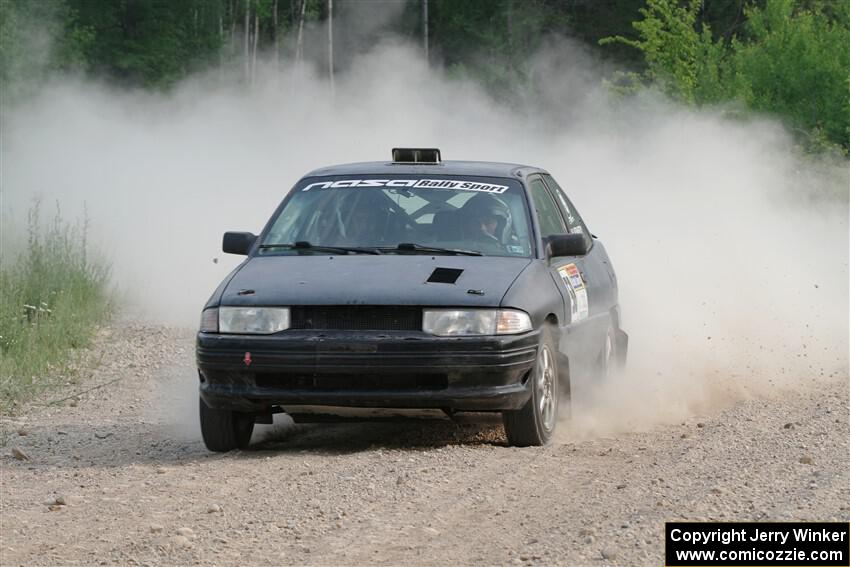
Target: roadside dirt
140 489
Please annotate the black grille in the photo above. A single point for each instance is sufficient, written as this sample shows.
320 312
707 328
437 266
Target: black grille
357 382
357 318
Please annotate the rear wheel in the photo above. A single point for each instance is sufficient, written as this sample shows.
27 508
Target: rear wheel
608 362
225 430
534 424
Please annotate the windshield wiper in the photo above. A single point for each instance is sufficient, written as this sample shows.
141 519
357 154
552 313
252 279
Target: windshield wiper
303 245
412 247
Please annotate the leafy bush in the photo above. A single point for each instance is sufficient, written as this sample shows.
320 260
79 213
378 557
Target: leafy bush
679 58
796 63
790 60
52 296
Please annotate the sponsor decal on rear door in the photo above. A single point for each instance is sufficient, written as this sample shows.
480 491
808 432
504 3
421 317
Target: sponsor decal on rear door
574 283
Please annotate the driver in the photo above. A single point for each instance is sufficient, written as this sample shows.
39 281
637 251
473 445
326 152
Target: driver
489 224
487 220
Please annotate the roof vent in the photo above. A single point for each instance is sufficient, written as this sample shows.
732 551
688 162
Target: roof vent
416 155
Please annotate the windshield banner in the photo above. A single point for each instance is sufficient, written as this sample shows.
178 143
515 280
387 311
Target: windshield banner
460 184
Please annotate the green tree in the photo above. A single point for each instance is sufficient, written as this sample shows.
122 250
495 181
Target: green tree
37 38
796 63
680 55
791 59
491 40
152 42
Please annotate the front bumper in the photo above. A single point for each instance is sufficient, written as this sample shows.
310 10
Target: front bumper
401 369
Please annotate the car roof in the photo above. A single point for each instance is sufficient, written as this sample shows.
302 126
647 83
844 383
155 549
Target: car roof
449 167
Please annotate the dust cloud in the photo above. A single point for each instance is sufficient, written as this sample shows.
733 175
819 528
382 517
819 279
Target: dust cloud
731 247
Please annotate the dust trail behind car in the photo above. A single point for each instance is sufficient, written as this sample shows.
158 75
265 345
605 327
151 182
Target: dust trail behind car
731 247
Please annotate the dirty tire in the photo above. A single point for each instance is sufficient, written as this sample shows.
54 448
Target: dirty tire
225 430
534 424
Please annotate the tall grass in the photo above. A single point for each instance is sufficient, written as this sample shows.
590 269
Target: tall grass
52 297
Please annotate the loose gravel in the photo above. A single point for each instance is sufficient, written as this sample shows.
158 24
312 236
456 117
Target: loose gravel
119 476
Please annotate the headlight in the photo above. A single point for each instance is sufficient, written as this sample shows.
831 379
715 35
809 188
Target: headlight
466 322
253 320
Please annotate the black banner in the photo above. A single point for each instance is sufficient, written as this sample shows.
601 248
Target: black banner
744 544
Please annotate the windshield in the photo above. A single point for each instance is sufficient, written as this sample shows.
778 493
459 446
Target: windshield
325 215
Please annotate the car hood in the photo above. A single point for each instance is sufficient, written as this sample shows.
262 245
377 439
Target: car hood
390 279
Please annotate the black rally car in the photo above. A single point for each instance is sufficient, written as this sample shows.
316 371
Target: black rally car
410 284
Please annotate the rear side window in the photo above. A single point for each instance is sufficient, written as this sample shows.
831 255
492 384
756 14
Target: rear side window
574 223
547 212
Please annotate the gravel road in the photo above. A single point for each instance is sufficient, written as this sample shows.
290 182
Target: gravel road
120 476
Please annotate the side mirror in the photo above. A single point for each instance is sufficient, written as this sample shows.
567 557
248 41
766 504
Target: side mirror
566 245
238 242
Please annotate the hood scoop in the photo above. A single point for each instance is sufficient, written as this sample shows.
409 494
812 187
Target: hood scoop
444 275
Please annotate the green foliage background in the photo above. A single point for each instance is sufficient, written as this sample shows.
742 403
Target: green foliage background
791 59
787 58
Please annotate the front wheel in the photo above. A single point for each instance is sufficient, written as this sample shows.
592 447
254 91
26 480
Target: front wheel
534 424
225 430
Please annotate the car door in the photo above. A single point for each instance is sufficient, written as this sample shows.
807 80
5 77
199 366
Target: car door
566 271
595 268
